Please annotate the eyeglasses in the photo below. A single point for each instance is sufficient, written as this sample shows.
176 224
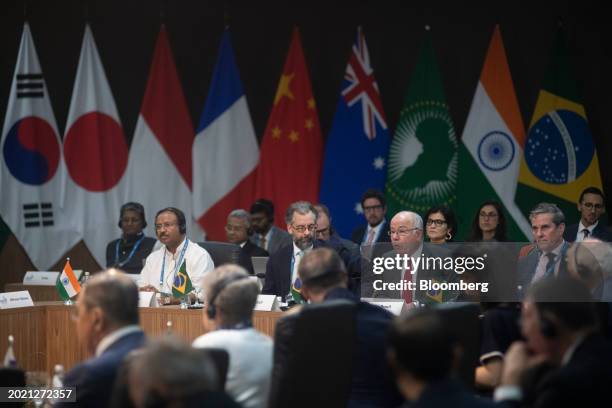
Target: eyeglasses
373 208
302 228
438 223
590 206
402 232
166 225
488 215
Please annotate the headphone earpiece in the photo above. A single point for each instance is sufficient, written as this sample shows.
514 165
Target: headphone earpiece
211 310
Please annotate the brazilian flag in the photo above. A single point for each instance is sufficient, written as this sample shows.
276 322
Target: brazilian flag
559 159
182 283
296 291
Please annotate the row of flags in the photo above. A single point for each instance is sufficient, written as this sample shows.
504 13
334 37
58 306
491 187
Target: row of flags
62 193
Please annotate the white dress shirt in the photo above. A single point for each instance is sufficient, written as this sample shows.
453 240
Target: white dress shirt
250 363
198 262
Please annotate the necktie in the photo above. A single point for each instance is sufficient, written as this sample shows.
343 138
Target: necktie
407 293
370 237
295 264
550 265
586 233
262 242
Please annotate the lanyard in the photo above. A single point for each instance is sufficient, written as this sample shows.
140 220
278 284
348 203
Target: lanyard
176 266
134 249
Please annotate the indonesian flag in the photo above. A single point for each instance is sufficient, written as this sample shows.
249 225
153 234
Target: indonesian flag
67 283
225 151
32 171
96 153
292 148
159 167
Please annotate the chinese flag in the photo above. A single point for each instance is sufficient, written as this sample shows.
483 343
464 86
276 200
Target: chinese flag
292 148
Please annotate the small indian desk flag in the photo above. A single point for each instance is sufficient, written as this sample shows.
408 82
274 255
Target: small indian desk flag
182 283
67 284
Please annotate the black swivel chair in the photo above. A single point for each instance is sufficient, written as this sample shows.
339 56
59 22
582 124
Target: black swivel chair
222 252
12 377
462 319
317 372
220 359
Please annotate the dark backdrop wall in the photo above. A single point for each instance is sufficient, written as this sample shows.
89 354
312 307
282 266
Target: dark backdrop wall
126 31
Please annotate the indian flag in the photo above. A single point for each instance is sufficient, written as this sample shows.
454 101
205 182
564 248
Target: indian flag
67 284
490 154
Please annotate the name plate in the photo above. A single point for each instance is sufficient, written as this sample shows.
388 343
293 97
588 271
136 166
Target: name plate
265 303
11 300
146 299
40 278
393 306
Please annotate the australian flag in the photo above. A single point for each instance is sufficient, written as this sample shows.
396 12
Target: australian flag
358 144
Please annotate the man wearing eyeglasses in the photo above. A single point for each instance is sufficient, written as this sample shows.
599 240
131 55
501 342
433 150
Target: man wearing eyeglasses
163 265
591 206
281 270
406 234
374 209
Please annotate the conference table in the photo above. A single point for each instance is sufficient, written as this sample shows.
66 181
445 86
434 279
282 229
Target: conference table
45 334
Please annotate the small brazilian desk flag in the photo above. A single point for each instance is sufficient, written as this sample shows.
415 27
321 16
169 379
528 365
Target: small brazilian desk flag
296 291
182 283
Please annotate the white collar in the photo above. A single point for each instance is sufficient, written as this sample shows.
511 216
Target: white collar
111 338
556 251
581 227
297 250
376 228
178 248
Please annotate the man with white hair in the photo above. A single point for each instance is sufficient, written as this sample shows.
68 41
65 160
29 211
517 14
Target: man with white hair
590 261
230 297
402 281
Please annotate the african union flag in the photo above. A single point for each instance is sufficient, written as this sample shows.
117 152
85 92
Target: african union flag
182 283
559 159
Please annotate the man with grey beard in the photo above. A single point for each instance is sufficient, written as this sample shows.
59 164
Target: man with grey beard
281 270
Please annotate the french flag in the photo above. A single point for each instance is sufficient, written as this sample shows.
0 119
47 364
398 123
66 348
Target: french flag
225 151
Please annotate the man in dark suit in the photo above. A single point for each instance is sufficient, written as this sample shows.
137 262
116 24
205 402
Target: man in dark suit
374 209
407 242
546 259
422 353
266 234
564 361
107 326
591 206
238 229
281 270
324 279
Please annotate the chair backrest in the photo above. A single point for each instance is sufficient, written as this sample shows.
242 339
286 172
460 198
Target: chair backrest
220 359
222 252
12 377
319 358
462 319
